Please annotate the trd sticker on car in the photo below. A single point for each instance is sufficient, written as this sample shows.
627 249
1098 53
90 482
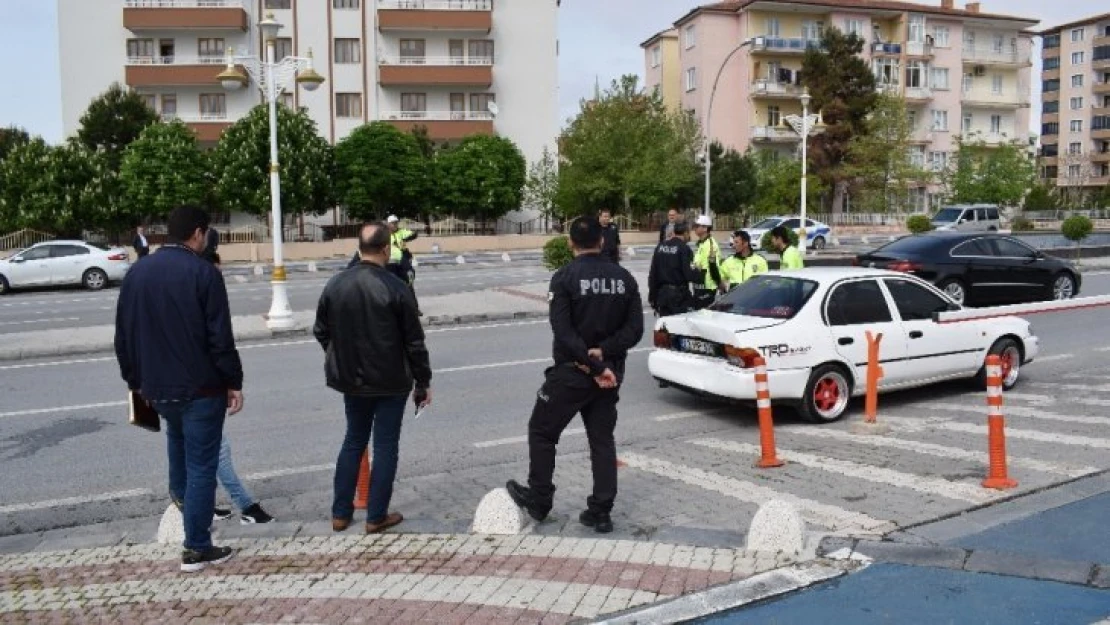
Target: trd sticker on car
782 349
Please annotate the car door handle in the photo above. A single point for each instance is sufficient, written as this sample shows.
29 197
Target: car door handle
846 340
916 334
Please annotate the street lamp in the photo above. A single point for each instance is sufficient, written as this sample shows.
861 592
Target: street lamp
273 76
803 125
709 116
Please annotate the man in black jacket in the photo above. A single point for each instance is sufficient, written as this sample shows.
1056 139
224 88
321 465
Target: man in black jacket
596 317
142 247
666 230
367 324
176 349
611 237
672 271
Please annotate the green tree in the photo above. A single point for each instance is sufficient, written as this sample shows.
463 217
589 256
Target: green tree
843 89
1041 198
242 164
990 175
626 151
11 138
779 191
59 189
112 121
732 180
162 169
379 170
541 187
1076 228
482 177
879 159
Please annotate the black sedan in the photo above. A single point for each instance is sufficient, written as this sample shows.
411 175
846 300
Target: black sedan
979 268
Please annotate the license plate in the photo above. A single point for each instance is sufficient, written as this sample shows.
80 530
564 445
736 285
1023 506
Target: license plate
695 346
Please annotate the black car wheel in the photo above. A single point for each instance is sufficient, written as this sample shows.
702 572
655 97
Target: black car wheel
1010 353
827 395
4 286
954 289
1063 286
819 243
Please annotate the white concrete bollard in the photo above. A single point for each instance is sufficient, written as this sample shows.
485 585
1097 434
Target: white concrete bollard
631 251
415 263
258 270
777 528
460 260
171 530
312 266
865 241
497 513
435 248
506 258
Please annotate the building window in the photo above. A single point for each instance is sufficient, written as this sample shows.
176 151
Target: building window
1077 35
691 79
998 44
169 105
1075 147
1051 128
283 47
917 156
969 39
1076 125
969 120
348 105
886 71
412 51
1077 80
344 4
1052 41
811 30
1050 85
286 100
141 50
938 161
917 28
1075 171
996 85
414 104
940 78
277 4
1076 104
941 36
1054 106
479 102
915 74
996 124
911 119
213 105
940 121
854 27
457 102
348 51
773 27
656 56
774 116
1077 58
481 49
150 100
210 49
1051 63
689 36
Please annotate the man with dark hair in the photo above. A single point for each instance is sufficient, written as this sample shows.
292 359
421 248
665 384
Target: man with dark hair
611 236
672 271
142 247
790 257
175 348
368 325
666 231
211 244
596 316
744 263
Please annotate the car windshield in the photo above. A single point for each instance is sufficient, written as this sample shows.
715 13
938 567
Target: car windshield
771 297
766 224
947 215
908 245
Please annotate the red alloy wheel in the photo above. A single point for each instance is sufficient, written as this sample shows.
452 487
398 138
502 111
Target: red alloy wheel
826 393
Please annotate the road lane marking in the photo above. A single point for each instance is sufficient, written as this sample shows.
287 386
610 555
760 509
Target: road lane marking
1024 412
40 320
960 491
916 425
34 411
820 514
75 501
521 439
1054 357
315 468
35 365
686 415
931 449
1047 400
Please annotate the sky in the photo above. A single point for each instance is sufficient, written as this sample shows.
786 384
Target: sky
599 41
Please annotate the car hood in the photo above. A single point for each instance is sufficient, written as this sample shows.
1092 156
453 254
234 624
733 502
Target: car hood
714 326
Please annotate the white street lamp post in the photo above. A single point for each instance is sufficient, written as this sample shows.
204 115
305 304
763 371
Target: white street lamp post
803 125
709 116
273 76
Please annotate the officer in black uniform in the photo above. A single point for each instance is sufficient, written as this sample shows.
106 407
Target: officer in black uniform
596 317
672 271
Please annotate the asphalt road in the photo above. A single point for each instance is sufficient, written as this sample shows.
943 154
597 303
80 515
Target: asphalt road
69 458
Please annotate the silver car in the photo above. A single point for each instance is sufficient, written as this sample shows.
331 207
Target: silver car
968 218
64 263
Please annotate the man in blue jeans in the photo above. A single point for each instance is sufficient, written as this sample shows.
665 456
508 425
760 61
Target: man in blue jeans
250 510
175 348
368 325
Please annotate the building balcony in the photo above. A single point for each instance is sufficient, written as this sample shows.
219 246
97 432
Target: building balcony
1100 157
986 98
775 89
1050 118
175 71
1101 63
208 128
990 139
1050 74
774 134
144 15
434 70
1101 39
921 137
783 45
919 49
1102 133
918 94
1050 161
878 48
445 15
1099 181
443 125
1099 111
1101 87
1006 56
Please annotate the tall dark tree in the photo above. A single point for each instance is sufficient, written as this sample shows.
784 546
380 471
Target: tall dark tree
732 180
11 138
482 177
379 170
59 189
843 90
113 120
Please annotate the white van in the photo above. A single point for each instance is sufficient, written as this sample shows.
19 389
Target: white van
966 217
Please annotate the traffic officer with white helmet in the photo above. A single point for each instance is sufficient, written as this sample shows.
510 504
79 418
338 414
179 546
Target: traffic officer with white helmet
707 259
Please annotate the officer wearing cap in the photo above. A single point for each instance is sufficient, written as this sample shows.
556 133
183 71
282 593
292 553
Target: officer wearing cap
672 271
596 316
744 263
707 259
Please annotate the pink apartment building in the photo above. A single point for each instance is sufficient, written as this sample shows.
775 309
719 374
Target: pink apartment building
962 72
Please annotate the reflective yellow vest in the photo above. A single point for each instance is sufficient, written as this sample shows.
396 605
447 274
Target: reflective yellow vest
397 244
708 251
735 270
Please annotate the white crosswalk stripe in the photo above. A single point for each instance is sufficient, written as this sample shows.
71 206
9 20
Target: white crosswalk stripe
1023 411
1048 400
916 424
820 514
879 475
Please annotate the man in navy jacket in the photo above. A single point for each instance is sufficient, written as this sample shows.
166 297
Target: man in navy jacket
175 348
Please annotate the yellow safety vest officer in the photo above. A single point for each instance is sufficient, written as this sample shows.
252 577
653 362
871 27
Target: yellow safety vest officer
744 264
708 252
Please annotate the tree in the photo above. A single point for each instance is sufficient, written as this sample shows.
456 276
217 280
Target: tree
879 159
990 175
541 187
1076 228
843 89
1041 198
732 180
11 138
242 163
379 170
59 189
112 121
624 150
162 169
482 177
779 190
1077 171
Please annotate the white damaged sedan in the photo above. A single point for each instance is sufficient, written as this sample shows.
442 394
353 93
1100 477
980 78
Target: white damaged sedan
810 327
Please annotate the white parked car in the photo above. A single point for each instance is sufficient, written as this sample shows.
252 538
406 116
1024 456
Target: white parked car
810 327
818 234
63 263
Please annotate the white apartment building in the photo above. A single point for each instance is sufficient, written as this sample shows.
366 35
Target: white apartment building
437 63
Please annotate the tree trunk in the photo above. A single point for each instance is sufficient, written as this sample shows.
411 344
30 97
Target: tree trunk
840 189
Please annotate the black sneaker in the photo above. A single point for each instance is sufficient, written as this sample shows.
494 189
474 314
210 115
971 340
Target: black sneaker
600 521
255 514
193 561
218 514
522 496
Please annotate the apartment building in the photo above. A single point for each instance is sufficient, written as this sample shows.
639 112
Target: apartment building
457 67
664 70
1075 94
962 72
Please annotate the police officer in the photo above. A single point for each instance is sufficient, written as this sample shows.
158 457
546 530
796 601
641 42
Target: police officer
596 317
707 259
791 257
744 263
672 271
610 236
400 258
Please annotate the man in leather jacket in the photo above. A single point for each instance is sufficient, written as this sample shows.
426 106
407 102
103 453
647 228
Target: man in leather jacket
367 324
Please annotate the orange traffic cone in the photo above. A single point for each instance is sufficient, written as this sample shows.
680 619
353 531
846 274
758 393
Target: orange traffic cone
998 477
362 490
768 458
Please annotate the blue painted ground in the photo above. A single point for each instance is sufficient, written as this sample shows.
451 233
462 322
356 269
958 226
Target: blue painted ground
1078 531
904 595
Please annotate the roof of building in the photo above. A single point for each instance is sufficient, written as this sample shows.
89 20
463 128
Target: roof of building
669 33
882 5
1082 22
